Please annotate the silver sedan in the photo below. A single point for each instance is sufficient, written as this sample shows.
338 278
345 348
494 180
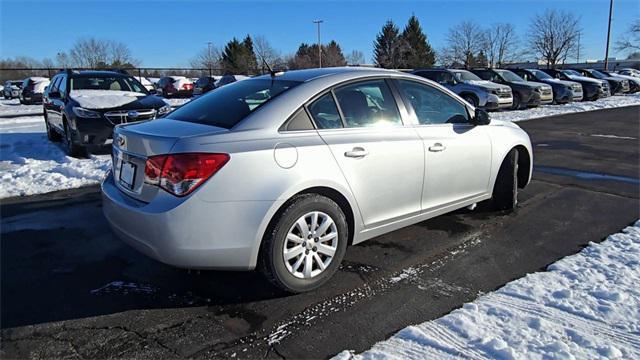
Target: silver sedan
282 172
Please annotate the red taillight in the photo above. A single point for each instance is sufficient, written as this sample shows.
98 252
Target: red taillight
187 86
180 174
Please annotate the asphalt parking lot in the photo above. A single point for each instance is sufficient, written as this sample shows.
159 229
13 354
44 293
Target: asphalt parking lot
71 289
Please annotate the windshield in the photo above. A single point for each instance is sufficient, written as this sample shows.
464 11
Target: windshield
597 74
97 82
509 76
541 74
463 75
571 73
228 105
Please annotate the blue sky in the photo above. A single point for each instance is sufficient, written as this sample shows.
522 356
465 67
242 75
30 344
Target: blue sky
169 33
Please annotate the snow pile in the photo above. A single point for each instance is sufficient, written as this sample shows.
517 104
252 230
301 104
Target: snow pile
585 306
104 99
31 164
550 110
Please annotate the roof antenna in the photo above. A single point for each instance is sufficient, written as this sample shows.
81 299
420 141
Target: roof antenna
271 71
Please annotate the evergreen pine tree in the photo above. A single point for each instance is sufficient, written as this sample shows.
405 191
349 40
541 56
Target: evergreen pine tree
418 52
388 47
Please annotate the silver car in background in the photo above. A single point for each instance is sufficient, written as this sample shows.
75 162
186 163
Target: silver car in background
282 172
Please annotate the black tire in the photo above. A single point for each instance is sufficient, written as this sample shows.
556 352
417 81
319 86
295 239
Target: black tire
471 99
505 189
70 147
52 134
271 260
517 102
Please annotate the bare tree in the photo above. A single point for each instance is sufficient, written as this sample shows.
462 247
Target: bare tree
62 59
356 57
554 35
89 52
264 50
630 42
207 58
119 54
463 41
501 44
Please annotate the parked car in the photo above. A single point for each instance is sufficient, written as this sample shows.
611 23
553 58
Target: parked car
175 86
204 85
12 89
563 91
82 107
32 90
228 79
477 92
634 82
616 85
343 155
629 72
592 89
147 84
525 93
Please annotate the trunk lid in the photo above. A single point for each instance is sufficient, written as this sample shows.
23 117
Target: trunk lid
134 143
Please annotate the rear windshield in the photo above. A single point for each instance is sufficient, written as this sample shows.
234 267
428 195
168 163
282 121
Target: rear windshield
228 105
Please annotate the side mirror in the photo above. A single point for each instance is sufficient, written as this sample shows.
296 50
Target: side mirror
481 117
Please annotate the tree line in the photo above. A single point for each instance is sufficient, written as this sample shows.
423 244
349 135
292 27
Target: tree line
552 36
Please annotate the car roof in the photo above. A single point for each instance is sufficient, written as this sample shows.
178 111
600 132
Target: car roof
97 73
311 74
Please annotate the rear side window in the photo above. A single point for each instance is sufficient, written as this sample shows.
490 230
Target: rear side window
299 121
325 112
368 103
230 104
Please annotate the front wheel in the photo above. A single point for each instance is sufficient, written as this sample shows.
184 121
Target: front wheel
470 99
70 147
303 248
52 135
505 190
517 102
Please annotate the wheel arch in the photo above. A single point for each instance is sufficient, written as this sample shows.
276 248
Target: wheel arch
524 165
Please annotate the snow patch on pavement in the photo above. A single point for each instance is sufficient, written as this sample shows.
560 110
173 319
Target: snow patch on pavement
31 164
14 108
583 306
551 110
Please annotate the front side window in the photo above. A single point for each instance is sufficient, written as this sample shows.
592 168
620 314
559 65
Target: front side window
368 104
325 113
62 86
228 105
432 106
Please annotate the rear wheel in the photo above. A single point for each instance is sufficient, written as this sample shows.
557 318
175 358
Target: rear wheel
505 190
70 147
305 245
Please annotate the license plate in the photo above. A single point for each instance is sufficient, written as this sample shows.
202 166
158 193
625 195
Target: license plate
127 174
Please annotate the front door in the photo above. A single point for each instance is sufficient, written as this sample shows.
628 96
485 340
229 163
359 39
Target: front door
381 159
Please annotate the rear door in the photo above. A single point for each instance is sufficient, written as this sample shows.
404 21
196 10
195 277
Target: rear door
381 159
457 153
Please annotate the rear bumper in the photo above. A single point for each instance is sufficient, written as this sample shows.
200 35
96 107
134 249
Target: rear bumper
188 232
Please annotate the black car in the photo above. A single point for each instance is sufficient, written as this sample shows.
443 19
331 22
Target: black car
563 91
82 107
32 90
616 85
634 82
592 89
204 85
11 89
524 94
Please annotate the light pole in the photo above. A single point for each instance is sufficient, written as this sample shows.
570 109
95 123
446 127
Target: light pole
318 22
209 58
606 54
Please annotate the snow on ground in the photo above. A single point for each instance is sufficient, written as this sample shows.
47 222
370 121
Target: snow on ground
14 108
585 306
550 110
31 164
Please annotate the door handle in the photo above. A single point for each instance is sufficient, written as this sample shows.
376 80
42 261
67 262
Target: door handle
356 152
437 147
